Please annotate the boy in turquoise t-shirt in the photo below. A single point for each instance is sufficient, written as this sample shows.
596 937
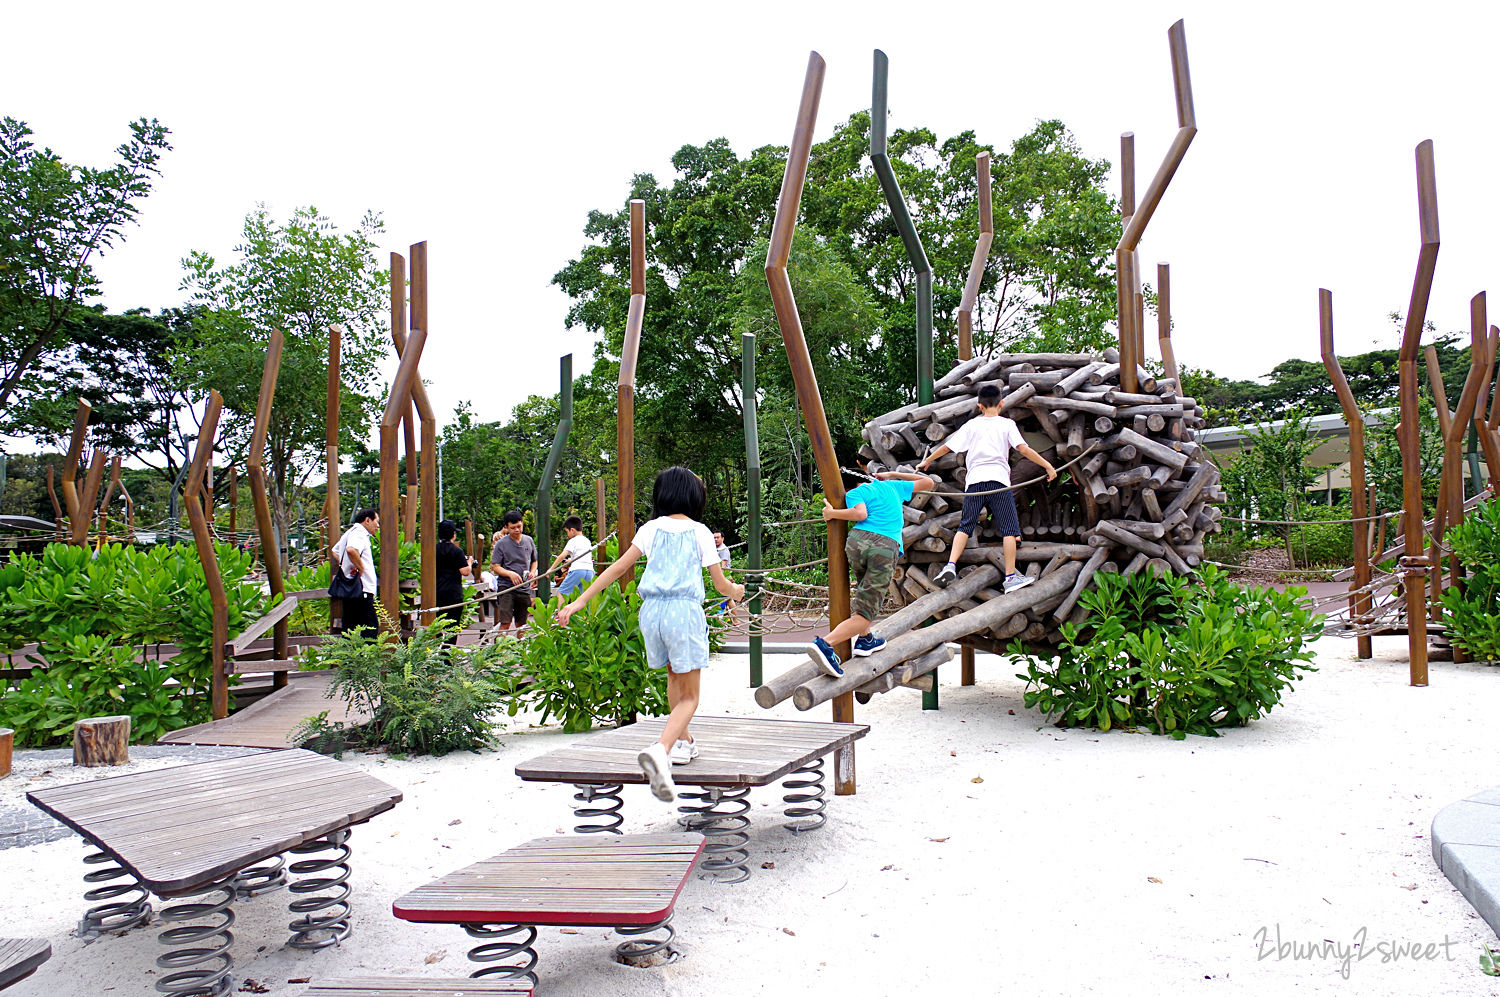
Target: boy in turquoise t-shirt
872 549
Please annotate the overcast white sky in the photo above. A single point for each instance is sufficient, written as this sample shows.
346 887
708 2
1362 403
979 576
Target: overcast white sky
490 130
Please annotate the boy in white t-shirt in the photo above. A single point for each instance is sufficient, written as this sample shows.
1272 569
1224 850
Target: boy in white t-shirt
986 443
577 558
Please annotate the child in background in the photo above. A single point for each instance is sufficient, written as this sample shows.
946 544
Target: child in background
678 548
576 561
986 443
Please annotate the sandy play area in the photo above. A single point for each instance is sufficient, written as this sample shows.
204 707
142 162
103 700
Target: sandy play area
985 853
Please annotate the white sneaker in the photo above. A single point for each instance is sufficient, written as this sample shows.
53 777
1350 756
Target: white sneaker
1015 581
683 752
658 769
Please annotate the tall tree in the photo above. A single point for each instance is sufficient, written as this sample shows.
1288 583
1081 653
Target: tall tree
54 217
300 276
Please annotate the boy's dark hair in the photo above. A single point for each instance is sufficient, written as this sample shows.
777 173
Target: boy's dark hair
573 523
365 515
989 396
677 490
514 516
447 530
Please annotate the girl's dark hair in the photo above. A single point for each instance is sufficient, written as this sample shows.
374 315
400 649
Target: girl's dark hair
678 490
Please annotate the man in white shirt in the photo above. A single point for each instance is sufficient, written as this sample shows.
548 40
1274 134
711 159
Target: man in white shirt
986 443
353 556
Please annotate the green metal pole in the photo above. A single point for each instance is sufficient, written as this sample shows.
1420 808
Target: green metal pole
544 490
752 483
914 251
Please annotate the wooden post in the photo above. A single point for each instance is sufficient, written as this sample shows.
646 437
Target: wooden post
270 550
402 388
1139 215
1409 434
806 380
423 503
1359 605
752 504
57 513
600 513
7 745
204 542
966 318
88 498
1164 322
625 392
234 503
331 510
77 531
101 741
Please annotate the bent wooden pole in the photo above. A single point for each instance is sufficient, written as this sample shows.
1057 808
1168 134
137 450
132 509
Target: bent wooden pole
1359 605
990 613
1409 435
331 511
625 390
1140 217
425 501
203 540
389 574
809 399
77 523
270 550
88 498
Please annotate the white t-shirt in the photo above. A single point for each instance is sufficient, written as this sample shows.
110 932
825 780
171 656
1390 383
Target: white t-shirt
357 538
580 554
986 443
708 554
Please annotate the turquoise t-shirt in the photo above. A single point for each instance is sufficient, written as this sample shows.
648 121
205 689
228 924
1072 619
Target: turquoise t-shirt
882 501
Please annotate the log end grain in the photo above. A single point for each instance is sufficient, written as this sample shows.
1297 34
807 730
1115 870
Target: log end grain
101 741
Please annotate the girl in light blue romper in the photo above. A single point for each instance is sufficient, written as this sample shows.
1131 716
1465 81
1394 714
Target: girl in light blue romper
678 548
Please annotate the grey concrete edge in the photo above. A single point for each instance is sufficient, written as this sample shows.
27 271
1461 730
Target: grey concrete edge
1466 847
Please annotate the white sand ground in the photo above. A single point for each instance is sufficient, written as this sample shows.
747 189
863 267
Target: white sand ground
1082 863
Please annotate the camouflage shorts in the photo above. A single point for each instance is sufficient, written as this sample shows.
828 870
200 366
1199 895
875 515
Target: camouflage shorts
872 558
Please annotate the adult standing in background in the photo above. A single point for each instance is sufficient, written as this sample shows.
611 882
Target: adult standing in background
513 561
453 566
352 553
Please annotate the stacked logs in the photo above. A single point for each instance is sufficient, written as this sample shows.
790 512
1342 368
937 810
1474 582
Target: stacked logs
1137 494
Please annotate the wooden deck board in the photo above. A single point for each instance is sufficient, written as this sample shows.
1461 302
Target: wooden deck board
632 879
19 958
404 987
733 751
270 722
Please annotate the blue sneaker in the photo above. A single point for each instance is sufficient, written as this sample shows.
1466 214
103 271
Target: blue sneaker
867 645
825 658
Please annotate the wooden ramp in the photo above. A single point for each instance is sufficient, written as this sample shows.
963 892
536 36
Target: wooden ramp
270 722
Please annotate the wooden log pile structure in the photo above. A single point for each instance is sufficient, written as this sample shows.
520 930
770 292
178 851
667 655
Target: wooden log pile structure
1138 493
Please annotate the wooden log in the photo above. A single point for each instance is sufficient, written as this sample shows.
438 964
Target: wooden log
1175 560
1117 396
1017 397
913 643
983 372
1158 566
7 744
1047 359
1104 425
1156 423
1134 476
1052 404
1026 551
1205 474
1136 564
1132 411
901 414
1047 421
779 687
1158 452
1041 381
1080 582
1107 529
956 374
1150 504
101 741
907 672
1107 372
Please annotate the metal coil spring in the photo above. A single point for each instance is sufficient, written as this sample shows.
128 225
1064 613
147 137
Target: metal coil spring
269 875
325 919
721 818
112 916
495 951
609 813
193 977
806 808
636 951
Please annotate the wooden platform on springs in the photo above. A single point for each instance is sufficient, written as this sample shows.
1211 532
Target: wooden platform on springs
270 722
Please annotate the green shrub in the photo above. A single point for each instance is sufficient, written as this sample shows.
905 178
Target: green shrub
1174 655
85 610
425 696
1324 544
594 671
1473 615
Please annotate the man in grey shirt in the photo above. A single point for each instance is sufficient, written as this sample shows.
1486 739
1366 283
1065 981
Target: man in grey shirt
514 563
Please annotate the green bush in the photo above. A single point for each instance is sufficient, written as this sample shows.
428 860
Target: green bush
594 671
1324 544
424 696
85 610
1473 615
1174 655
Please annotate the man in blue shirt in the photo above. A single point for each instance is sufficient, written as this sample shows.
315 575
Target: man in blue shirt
872 548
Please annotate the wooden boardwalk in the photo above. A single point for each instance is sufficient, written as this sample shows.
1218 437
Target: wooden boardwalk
270 722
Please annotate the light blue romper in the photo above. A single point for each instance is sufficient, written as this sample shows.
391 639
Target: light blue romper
671 589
